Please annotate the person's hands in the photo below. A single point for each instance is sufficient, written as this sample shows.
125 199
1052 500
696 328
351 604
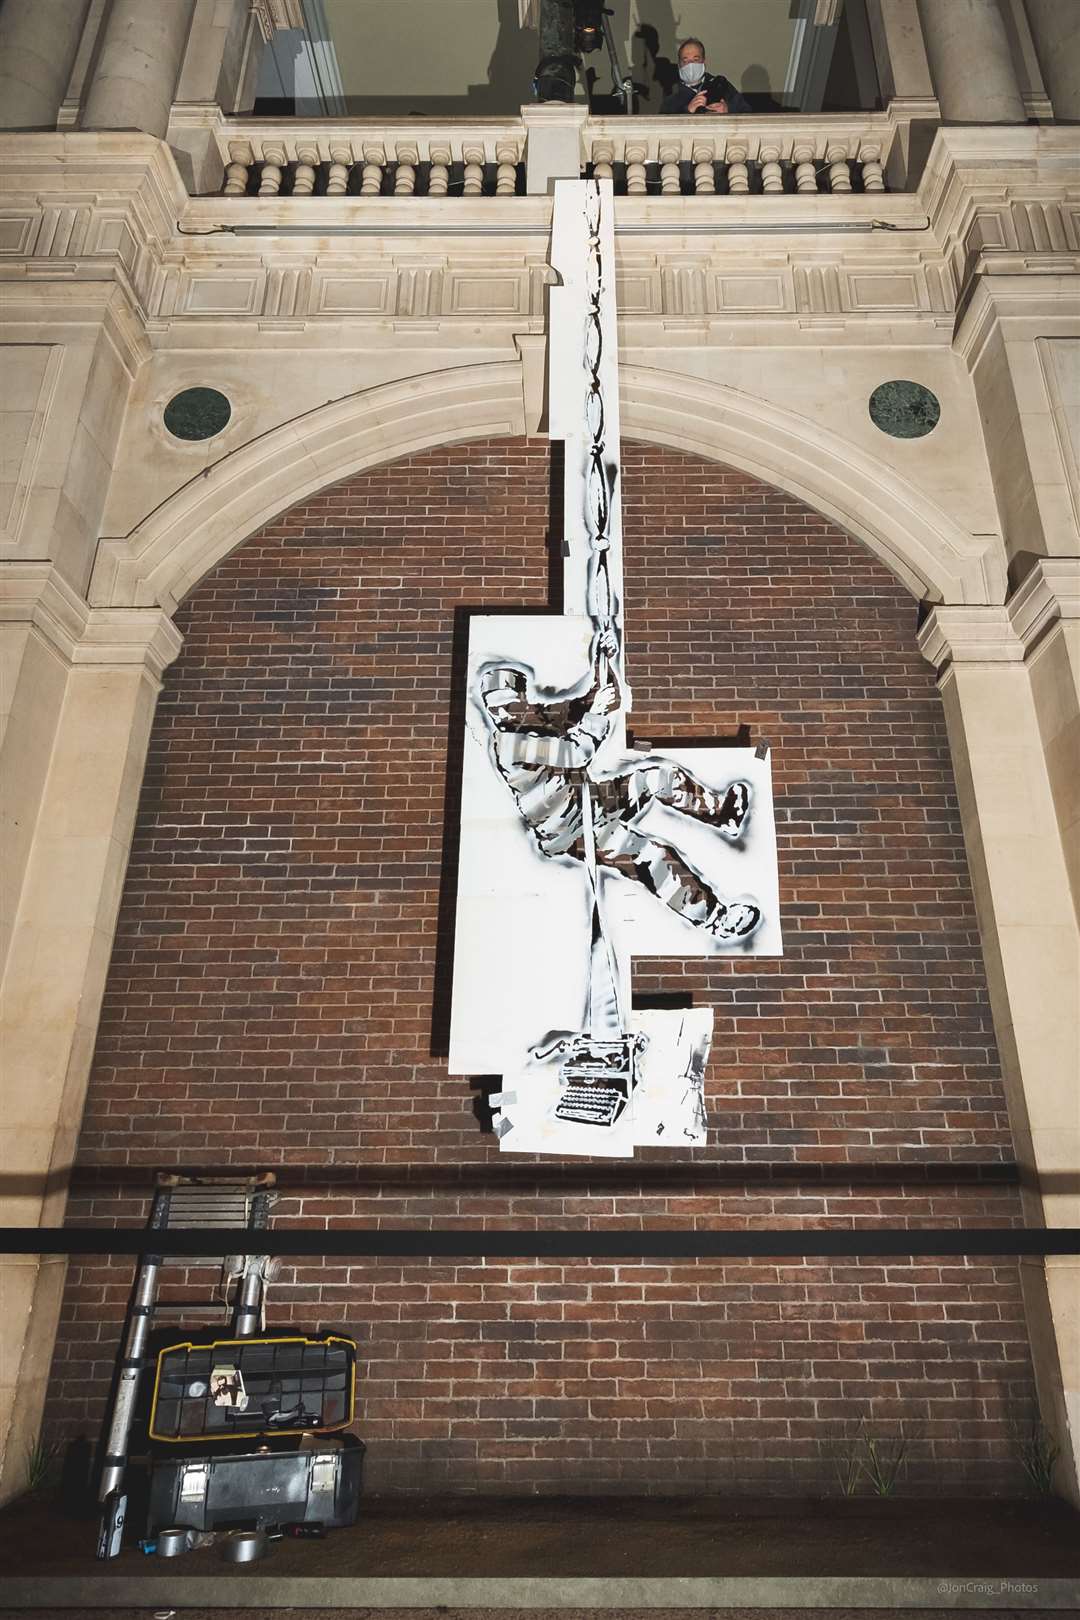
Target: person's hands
716 106
605 700
699 101
607 643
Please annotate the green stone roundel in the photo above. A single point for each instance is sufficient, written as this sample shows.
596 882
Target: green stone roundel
905 410
197 413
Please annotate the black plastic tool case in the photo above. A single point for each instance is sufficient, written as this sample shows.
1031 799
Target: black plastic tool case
255 1489
293 1385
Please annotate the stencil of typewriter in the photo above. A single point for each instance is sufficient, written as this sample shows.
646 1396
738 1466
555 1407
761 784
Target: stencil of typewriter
597 1077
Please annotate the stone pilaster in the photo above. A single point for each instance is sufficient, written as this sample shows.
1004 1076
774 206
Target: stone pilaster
86 684
1045 613
1031 946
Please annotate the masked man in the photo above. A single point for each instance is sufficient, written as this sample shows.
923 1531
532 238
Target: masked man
544 750
700 91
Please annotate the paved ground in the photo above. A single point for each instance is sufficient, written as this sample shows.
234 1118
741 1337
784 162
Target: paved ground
526 1614
470 1536
993 1544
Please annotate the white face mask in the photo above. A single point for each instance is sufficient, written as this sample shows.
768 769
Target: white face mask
691 73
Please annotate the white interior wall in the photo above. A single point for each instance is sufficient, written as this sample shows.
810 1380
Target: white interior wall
443 56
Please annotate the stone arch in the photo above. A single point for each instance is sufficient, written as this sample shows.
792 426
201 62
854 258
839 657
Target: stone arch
183 539
178 544
929 552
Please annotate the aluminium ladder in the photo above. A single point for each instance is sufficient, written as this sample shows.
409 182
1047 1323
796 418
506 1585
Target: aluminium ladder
191 1204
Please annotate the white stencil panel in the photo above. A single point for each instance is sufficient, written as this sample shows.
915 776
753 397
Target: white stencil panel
522 943
578 854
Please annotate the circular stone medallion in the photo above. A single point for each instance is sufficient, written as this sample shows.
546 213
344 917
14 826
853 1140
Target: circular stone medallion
197 413
904 410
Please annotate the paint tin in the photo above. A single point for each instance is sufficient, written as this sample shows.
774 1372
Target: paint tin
173 1541
246 1546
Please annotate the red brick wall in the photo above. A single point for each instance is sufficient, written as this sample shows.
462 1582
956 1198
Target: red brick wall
271 992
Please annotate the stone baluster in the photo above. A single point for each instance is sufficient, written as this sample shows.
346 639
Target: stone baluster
307 164
506 157
636 154
473 156
704 171
237 170
839 168
802 154
439 173
670 179
371 176
872 177
408 156
340 164
738 175
603 160
772 175
274 161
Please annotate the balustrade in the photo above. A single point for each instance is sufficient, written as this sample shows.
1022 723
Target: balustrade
662 157
668 157
438 161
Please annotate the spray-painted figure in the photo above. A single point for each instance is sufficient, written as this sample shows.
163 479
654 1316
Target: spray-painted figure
544 751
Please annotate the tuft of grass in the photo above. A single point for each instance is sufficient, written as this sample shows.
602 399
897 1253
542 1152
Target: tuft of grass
884 1457
875 1455
1038 1452
41 1460
845 1455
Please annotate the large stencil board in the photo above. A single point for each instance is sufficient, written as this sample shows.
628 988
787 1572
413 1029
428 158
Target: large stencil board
578 854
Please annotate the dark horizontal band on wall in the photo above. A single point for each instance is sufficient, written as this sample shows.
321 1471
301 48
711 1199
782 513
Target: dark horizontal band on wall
624 1174
350 1242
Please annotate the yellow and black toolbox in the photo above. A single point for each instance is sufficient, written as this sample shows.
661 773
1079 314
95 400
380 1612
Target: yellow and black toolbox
248 1389
290 1398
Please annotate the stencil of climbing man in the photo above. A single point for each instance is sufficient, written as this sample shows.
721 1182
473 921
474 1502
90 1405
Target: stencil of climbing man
544 751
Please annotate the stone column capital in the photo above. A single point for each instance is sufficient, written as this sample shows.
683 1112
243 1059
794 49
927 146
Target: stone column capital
35 595
116 636
1004 635
969 635
1051 591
